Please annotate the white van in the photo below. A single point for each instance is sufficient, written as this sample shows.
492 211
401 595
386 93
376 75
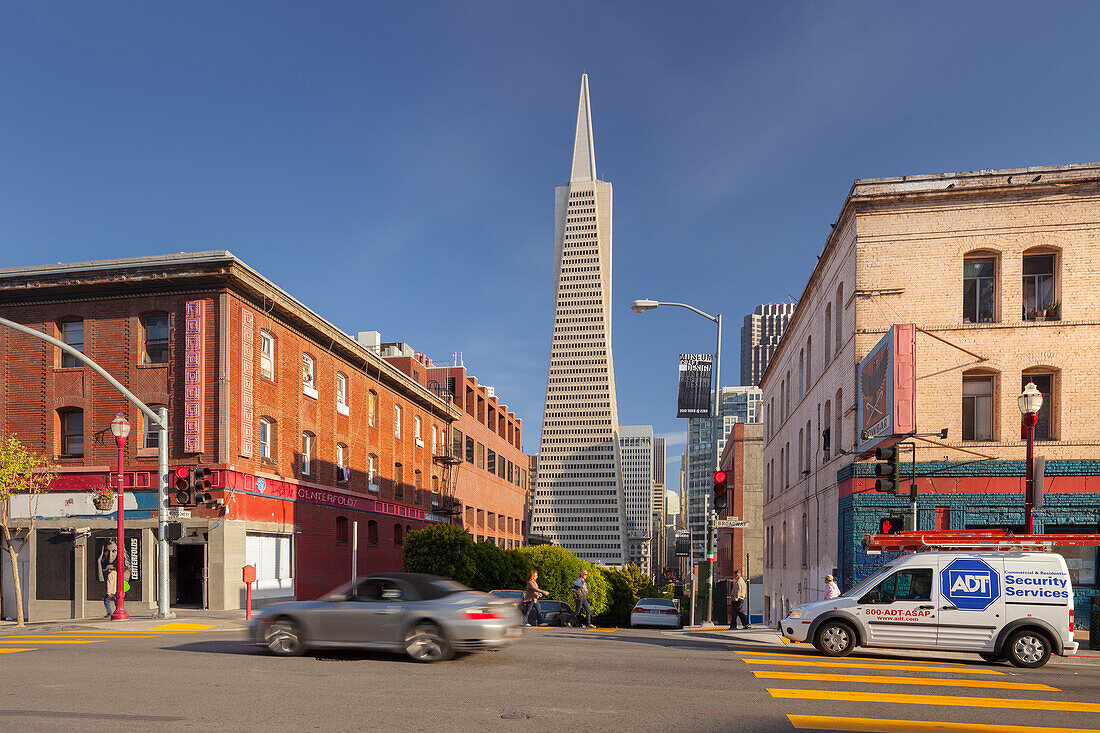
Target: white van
1002 605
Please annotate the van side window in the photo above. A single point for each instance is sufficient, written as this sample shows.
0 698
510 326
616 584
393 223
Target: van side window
904 585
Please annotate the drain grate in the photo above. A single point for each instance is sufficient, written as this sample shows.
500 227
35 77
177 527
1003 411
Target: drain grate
515 716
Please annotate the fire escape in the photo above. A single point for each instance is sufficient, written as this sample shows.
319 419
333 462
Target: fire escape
449 464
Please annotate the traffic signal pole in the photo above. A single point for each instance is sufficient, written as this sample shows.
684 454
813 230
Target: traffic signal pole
712 529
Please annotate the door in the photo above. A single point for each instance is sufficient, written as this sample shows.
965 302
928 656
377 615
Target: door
190 563
970 603
899 611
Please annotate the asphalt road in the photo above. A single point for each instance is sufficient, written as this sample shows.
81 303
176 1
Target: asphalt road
553 680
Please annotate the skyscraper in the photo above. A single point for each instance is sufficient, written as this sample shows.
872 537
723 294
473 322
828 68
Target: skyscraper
579 495
760 334
636 450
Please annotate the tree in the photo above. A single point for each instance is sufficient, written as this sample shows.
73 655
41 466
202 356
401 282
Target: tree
497 568
620 601
558 568
442 549
22 472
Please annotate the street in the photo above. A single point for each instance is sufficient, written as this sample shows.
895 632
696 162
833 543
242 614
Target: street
160 676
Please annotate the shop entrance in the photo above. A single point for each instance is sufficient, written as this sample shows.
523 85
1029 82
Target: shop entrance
189 571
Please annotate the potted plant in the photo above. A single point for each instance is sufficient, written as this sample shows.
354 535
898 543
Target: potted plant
1051 310
103 498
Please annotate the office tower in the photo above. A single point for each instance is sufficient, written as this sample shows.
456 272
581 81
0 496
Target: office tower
579 495
636 451
760 334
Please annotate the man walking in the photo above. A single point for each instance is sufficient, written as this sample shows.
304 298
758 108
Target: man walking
580 599
740 593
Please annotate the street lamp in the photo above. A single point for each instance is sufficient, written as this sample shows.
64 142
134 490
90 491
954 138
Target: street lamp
1030 400
120 428
641 306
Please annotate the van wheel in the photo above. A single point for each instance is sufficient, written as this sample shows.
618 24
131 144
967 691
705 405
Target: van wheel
1028 649
835 639
991 656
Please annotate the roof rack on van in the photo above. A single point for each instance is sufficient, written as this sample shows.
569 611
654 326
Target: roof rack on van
969 539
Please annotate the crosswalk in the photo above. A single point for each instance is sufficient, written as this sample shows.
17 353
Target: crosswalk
30 642
842 684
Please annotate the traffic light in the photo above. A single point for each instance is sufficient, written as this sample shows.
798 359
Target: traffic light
200 484
891 525
720 499
182 483
887 470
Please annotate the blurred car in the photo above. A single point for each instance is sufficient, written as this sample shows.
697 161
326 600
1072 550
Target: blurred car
426 616
515 596
655 612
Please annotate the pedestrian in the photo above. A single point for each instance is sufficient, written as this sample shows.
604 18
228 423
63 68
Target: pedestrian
531 595
832 590
580 599
740 593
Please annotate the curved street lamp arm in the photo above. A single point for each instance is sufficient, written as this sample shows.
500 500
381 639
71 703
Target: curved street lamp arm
154 419
691 308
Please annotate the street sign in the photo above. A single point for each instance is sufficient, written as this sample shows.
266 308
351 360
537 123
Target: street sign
732 523
175 511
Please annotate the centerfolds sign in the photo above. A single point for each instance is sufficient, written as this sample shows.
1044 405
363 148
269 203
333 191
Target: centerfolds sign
693 398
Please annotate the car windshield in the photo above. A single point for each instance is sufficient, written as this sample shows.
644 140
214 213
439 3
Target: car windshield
858 590
657 602
449 586
507 593
340 592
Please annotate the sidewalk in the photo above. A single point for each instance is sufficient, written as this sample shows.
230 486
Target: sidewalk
140 621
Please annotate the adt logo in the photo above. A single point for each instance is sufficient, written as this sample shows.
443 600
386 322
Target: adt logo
969 583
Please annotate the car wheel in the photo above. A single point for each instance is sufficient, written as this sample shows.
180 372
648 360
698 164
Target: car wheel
283 638
835 639
1028 648
991 656
425 642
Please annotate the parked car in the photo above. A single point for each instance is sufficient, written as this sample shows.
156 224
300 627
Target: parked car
554 613
655 612
515 596
426 616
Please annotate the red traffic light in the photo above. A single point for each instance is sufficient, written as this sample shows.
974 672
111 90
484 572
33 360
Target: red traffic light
719 477
181 472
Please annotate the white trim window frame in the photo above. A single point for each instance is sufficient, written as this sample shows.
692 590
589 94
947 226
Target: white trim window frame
417 427
307 450
309 384
397 421
265 438
267 356
342 394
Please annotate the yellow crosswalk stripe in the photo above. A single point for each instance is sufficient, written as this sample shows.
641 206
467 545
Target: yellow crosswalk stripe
826 662
886 725
961 701
892 680
24 640
90 637
12 651
180 626
794 655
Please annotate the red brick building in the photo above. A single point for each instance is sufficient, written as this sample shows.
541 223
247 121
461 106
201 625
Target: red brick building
743 548
314 441
489 483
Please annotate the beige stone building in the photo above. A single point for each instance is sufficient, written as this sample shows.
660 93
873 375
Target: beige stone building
1003 264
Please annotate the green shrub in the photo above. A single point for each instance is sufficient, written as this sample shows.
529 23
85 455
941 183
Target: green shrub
442 549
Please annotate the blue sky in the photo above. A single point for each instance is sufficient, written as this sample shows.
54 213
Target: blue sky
392 165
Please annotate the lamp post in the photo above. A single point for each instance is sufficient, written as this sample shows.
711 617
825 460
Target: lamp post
641 306
120 428
1030 400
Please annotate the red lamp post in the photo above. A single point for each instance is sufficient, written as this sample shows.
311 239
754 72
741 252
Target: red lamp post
120 427
1030 401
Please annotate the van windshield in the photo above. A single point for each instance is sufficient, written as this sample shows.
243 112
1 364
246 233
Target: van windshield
859 589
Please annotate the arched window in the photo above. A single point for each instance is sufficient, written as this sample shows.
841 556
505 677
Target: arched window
397 421
342 472
416 429
827 334
341 530
801 374
801 452
838 316
71 331
1040 287
151 433
155 326
71 423
826 438
267 355
309 383
398 534
342 392
417 483
1046 381
838 420
372 532
372 408
809 362
980 286
307 453
372 467
267 438
977 405
398 480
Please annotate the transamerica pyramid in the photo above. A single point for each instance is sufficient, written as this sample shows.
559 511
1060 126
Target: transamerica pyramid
579 489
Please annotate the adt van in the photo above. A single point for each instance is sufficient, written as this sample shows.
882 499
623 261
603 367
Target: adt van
1014 605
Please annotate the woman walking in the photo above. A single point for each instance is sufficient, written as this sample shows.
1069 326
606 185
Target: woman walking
531 595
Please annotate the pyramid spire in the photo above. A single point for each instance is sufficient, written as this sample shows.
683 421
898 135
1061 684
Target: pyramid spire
584 152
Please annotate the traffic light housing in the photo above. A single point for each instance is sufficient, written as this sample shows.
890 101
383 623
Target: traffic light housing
200 485
887 470
891 525
181 483
720 498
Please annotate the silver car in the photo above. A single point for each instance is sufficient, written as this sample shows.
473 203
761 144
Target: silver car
426 616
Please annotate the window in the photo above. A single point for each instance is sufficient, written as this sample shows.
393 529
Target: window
398 480
828 334
372 532
72 433
469 449
341 393
417 485
805 539
265 438
801 452
456 443
809 448
341 463
341 530
309 384
1044 428
72 333
372 408
809 362
801 374
1081 561
826 435
397 421
435 439
492 461
372 466
1039 286
156 338
267 356
398 534
151 432
417 432
307 452
838 316
979 292
838 428
480 455
904 585
783 543
977 407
